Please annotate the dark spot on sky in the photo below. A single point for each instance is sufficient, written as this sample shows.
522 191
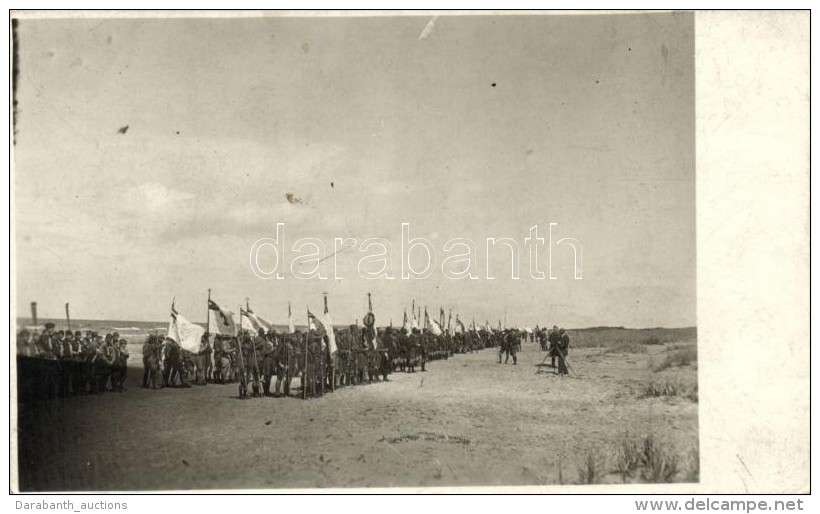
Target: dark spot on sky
123 130
597 81
268 422
293 199
331 184
185 462
629 49
493 84
177 132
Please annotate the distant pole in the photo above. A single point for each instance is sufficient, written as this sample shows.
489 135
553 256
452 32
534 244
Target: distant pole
304 373
67 317
247 310
208 316
34 314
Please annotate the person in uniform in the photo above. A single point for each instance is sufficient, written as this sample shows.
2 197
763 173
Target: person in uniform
563 346
86 357
121 367
76 363
424 344
554 340
284 365
414 347
267 352
513 339
66 363
148 348
25 348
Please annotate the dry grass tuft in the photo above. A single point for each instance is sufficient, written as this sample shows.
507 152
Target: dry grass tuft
670 388
627 459
684 356
659 464
591 470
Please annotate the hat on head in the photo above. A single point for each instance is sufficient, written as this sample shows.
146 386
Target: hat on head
50 326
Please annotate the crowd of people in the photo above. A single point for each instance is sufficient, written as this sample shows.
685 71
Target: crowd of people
61 363
355 356
65 363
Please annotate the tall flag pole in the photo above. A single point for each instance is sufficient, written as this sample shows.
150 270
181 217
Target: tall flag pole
34 315
304 373
67 317
375 330
291 327
208 315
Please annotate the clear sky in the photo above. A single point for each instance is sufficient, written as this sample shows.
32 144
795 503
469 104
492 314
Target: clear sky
470 127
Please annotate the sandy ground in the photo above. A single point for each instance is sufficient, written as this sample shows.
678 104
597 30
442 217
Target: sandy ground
465 421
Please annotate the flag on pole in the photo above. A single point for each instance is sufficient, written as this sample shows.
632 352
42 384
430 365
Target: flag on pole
259 321
248 323
220 322
405 325
324 327
459 326
375 330
186 334
431 324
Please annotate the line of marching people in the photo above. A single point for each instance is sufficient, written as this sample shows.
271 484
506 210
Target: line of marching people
266 363
58 363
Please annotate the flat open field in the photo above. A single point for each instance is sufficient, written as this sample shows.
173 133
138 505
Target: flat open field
465 421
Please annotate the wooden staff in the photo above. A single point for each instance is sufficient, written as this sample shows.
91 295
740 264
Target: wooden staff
208 316
255 357
304 371
34 314
67 317
242 374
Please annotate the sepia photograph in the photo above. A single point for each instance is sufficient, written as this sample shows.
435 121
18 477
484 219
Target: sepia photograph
295 251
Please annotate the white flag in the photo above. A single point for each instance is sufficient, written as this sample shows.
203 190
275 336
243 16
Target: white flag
188 335
247 323
259 321
324 325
